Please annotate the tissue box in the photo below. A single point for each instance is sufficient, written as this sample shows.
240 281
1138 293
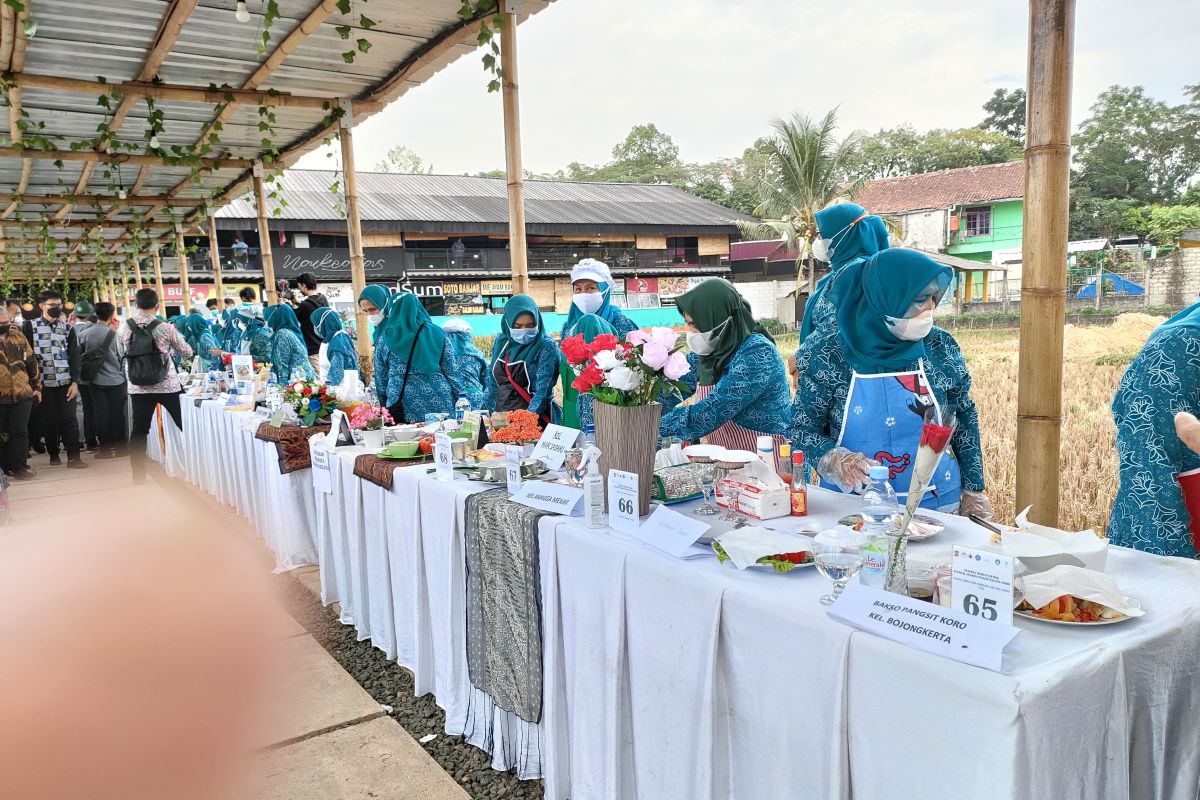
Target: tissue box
756 501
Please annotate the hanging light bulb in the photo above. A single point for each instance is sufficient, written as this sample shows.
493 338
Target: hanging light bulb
154 141
242 14
122 194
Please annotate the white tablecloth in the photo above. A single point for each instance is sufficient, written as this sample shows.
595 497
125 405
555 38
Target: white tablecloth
690 679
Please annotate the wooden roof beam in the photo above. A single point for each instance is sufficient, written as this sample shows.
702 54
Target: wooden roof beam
15 34
95 156
99 200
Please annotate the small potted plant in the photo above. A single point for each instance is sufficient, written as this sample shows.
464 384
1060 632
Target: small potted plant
520 427
369 420
312 401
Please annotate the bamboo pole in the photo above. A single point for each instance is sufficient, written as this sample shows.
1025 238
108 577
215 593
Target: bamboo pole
181 254
95 295
112 293
264 236
156 260
214 254
358 275
94 156
81 199
1099 283
125 290
137 271
1044 248
512 155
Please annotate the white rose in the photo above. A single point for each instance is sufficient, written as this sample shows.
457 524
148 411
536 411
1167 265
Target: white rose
623 377
606 359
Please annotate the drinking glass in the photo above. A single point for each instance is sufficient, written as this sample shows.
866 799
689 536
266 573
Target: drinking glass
838 558
704 472
572 462
733 493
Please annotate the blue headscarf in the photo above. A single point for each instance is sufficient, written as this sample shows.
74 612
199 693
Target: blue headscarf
854 234
231 334
281 317
1189 318
505 345
380 297
329 328
884 285
192 327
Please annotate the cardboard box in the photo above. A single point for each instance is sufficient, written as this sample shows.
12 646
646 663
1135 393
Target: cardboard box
756 501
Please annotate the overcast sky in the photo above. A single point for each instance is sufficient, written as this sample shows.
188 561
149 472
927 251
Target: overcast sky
712 73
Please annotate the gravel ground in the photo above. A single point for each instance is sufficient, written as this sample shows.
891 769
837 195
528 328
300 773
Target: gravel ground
392 685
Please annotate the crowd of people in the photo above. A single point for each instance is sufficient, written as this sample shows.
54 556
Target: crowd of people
870 368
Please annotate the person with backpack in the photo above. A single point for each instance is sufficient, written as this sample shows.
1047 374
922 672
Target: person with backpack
84 315
146 344
102 373
57 350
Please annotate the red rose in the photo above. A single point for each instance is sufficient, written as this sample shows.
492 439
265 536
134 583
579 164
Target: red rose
605 341
591 376
322 390
575 350
935 436
307 390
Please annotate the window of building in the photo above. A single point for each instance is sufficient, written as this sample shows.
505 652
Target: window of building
328 241
979 221
683 250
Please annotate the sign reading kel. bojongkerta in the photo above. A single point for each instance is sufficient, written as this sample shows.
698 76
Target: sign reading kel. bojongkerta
333 264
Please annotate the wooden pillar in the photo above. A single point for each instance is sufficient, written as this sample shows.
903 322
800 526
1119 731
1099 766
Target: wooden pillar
518 252
181 254
112 294
358 275
264 236
95 294
125 290
137 271
158 284
1044 246
214 254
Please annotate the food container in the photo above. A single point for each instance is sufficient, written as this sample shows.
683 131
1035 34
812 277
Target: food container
459 448
921 584
942 591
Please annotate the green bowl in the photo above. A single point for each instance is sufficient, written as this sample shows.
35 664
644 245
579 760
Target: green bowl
460 434
401 449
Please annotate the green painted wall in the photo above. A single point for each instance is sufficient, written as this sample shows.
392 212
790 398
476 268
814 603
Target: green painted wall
1007 221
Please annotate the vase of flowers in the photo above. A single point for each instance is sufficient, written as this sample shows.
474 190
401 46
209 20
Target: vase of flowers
369 420
312 401
625 380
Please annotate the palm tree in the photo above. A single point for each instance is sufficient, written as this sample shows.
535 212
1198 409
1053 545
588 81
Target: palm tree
806 170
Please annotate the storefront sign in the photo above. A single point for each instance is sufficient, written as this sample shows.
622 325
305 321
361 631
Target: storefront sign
201 293
470 288
333 264
641 286
495 287
424 289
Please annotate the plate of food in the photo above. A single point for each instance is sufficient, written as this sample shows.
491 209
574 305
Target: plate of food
1070 610
920 528
782 563
709 451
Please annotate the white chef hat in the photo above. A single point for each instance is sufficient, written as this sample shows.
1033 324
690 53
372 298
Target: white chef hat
456 325
592 270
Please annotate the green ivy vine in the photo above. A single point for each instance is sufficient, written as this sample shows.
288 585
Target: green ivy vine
487 36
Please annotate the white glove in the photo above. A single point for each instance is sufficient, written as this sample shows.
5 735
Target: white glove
848 469
975 504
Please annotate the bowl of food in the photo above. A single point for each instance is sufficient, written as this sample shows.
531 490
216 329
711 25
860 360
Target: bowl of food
405 449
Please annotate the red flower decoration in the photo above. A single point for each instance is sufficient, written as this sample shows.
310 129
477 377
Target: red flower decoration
591 376
307 390
605 341
935 437
575 350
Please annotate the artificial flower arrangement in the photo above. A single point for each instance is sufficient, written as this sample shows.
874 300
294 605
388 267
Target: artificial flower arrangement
367 417
311 400
629 373
523 426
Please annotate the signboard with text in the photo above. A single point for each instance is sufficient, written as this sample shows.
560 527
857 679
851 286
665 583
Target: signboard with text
641 286
333 264
495 287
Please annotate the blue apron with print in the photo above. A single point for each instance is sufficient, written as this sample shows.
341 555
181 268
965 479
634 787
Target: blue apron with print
883 419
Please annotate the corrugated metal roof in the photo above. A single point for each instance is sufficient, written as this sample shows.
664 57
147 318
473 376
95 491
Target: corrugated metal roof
466 201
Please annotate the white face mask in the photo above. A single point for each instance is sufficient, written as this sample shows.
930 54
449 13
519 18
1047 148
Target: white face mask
703 343
912 329
375 319
588 302
820 250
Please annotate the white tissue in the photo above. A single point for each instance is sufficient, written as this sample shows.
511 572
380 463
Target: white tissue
747 545
1039 589
670 457
1041 548
762 473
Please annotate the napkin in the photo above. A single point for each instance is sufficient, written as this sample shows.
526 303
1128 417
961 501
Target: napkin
748 544
1040 588
1041 548
761 473
670 457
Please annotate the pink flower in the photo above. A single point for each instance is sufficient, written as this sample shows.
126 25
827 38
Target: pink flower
640 336
664 337
677 366
654 355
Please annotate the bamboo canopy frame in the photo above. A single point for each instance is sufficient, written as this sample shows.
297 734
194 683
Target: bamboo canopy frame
1044 248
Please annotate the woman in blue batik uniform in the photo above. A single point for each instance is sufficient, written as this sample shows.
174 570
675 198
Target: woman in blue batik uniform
846 233
256 337
471 359
742 389
336 344
416 371
1151 510
524 363
865 386
199 337
288 353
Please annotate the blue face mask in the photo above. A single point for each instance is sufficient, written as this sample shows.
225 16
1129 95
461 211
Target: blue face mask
524 335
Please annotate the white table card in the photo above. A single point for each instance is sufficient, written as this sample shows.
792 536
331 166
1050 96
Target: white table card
339 430
557 498
942 631
623 501
322 477
552 448
443 457
512 467
981 584
671 532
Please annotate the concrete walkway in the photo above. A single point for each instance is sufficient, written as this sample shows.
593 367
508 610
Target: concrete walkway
337 742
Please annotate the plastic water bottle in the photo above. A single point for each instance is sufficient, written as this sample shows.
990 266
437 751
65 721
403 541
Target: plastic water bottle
588 438
878 510
461 408
272 392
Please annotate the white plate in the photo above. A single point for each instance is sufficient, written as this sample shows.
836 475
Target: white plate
737 457
1031 615
704 451
919 529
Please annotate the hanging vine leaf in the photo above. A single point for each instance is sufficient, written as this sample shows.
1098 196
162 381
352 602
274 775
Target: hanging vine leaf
363 45
343 31
365 22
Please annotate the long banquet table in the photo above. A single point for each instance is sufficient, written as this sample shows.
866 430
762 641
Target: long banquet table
689 679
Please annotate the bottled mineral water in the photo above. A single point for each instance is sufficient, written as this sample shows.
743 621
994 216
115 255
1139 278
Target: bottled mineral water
878 511
461 407
272 392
